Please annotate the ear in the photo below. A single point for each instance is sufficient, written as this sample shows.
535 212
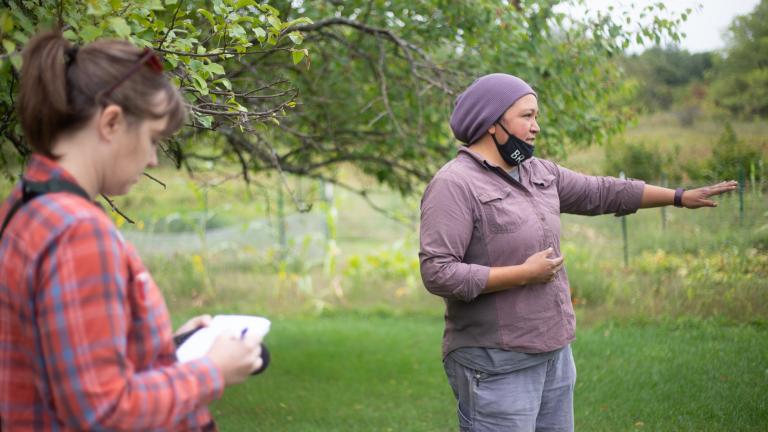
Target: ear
492 129
111 119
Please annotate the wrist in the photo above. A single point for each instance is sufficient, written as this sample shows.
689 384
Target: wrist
525 273
678 199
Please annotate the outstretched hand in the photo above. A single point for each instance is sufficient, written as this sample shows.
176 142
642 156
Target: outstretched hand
696 198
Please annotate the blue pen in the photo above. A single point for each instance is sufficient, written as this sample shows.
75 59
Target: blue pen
243 332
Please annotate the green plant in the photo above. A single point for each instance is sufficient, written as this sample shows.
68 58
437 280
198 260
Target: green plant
734 158
636 160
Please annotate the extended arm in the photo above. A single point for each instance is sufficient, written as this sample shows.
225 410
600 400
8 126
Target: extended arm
655 196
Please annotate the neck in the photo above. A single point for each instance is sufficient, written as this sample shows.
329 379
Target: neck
79 160
486 148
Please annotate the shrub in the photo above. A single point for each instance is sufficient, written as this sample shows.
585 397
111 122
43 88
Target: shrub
636 160
733 158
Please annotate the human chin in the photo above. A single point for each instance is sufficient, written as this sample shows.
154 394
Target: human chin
121 188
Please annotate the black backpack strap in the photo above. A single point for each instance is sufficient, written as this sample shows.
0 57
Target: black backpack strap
31 190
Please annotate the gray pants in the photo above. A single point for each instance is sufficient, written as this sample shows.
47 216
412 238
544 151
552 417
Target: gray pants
538 398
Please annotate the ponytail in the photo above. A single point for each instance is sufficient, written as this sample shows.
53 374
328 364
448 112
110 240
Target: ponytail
43 106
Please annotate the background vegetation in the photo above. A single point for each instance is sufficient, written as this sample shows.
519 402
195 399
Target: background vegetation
314 128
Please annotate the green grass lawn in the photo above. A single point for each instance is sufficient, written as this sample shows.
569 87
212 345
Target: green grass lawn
352 372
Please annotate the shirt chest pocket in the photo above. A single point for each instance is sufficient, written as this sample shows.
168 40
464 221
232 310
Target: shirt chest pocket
547 195
501 212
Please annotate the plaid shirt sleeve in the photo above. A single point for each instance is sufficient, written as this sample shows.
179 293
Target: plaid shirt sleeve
84 319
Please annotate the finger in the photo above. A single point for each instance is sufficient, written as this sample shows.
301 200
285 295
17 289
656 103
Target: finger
252 339
703 203
557 261
546 251
194 323
203 320
723 189
257 363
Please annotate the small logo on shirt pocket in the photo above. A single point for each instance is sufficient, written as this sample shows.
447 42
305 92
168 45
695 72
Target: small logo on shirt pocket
501 214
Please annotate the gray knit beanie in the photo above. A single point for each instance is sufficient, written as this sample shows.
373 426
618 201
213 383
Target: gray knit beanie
483 102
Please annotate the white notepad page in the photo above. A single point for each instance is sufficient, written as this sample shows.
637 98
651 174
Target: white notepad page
200 342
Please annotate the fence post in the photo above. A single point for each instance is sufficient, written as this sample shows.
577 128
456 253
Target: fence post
281 220
663 208
624 231
741 194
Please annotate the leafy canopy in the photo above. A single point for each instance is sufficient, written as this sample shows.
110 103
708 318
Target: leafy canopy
304 86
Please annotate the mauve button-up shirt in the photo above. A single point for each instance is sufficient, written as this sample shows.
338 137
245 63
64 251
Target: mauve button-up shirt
475 216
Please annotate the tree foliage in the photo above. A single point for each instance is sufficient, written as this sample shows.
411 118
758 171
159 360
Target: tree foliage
740 84
304 86
665 76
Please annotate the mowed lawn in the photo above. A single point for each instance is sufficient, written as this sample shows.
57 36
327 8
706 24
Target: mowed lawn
383 373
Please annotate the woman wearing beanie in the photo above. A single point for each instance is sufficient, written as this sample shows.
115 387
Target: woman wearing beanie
490 246
85 338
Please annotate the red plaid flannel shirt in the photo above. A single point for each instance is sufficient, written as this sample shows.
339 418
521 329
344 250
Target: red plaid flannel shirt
85 336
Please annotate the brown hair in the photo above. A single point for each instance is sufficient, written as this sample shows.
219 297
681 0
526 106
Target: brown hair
62 87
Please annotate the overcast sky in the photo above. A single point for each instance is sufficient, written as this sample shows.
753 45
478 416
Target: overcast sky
705 26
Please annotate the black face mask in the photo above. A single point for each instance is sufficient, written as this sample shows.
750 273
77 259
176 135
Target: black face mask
515 150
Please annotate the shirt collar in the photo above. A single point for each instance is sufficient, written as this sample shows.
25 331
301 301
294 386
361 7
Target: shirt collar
485 163
42 168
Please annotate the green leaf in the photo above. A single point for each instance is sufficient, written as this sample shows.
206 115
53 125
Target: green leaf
225 82
199 84
172 60
24 22
260 33
195 65
20 37
236 31
70 35
6 22
275 22
302 20
214 68
9 46
90 33
208 16
237 105
298 56
269 9
120 27
205 120
155 5
16 61
296 37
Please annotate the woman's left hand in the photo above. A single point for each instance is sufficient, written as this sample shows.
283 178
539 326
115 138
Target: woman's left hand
696 198
198 321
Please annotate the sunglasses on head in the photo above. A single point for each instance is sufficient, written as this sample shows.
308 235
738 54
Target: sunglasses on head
148 58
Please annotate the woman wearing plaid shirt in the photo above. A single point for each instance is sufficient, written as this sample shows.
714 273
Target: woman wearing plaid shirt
85 337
